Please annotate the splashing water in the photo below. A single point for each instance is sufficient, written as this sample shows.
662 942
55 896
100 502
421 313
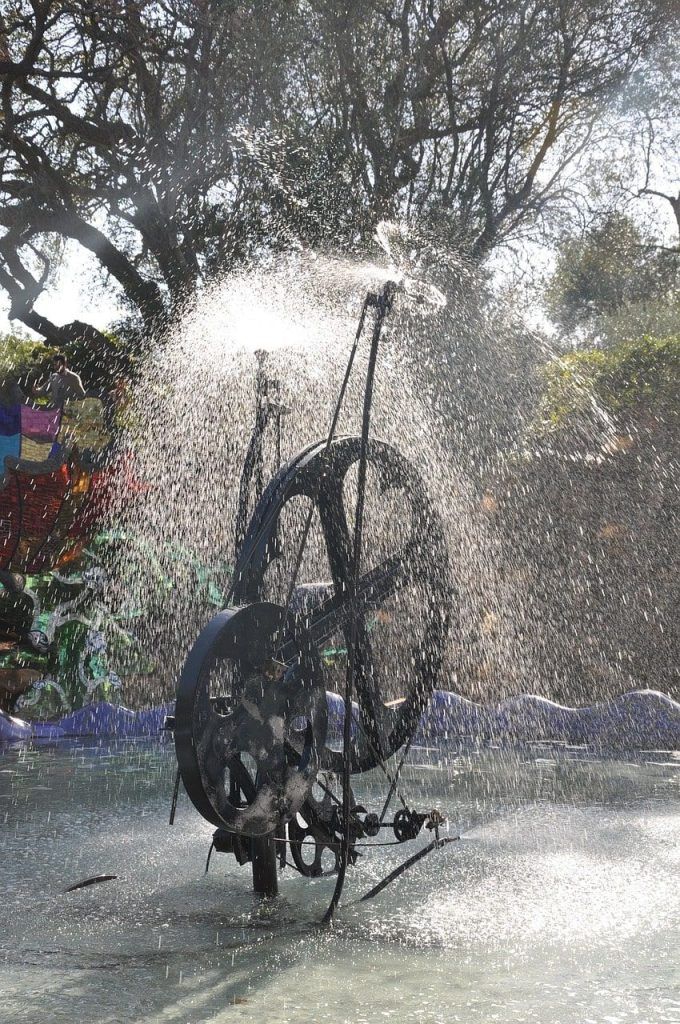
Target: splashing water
579 870
456 391
392 236
193 414
561 903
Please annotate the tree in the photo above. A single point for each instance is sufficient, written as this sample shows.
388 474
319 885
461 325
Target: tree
471 112
637 378
117 134
649 106
592 516
174 138
610 267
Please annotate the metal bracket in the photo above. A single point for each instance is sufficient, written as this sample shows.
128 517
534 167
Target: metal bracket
436 844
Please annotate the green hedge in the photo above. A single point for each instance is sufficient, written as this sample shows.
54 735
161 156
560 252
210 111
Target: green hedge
627 378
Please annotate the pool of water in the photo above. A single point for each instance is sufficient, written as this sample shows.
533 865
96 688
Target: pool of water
560 904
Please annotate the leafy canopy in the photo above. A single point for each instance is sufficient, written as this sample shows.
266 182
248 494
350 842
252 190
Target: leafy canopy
172 140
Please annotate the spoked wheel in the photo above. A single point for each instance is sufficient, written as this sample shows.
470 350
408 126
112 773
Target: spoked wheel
315 832
403 595
251 713
250 731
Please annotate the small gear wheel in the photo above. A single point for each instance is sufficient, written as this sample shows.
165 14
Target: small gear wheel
316 832
310 848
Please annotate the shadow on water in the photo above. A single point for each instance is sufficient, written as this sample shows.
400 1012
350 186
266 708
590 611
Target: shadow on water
141 945
195 980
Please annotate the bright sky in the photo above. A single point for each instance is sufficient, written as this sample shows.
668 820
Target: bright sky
77 294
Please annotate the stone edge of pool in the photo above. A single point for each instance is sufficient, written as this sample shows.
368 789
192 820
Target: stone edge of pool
637 719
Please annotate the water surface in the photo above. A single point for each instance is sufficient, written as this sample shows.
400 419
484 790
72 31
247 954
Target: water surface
560 903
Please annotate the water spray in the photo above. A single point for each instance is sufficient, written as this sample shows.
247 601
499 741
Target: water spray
252 711
268 409
382 302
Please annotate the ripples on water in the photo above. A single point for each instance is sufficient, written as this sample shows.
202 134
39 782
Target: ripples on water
560 903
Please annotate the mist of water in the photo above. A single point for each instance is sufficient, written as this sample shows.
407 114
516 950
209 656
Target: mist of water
456 393
193 412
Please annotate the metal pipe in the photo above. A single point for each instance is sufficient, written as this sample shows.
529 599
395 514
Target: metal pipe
383 304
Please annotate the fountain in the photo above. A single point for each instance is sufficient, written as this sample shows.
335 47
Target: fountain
324 714
254 687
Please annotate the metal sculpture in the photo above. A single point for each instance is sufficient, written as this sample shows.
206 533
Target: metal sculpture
251 724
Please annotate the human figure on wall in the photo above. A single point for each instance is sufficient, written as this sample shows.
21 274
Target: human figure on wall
63 384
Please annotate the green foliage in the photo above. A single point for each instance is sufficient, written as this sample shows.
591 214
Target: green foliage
102 366
230 129
658 318
22 360
22 657
98 639
611 267
613 284
628 378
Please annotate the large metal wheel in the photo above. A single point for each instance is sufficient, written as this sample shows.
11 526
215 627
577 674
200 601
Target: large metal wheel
250 731
405 582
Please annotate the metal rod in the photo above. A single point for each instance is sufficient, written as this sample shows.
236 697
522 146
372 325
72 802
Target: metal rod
329 442
383 304
436 844
175 794
252 464
381 761
395 780
279 417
